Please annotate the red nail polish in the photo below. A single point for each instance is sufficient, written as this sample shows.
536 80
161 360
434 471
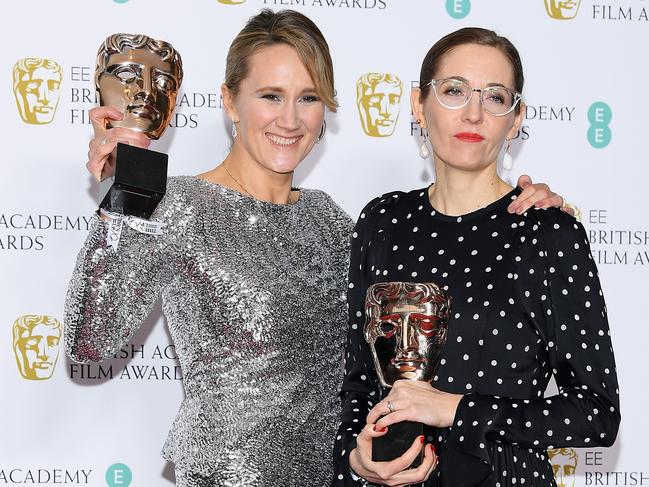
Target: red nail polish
432 448
421 439
374 428
382 429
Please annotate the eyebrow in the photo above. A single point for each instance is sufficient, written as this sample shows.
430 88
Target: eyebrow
422 316
390 317
488 85
310 89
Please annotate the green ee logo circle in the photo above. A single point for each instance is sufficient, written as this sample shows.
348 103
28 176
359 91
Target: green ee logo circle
599 133
118 475
120 1
458 9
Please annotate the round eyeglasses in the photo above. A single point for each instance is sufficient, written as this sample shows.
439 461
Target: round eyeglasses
455 93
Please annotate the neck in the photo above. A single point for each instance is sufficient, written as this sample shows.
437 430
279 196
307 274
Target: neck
252 179
458 192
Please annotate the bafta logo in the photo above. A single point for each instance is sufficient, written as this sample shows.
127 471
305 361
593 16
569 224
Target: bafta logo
562 10
37 84
231 2
36 345
564 465
378 97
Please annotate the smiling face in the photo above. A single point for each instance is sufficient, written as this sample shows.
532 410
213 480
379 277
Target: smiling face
467 138
143 87
277 111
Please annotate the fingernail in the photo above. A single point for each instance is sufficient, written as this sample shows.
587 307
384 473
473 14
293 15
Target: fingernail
432 448
382 429
374 428
421 439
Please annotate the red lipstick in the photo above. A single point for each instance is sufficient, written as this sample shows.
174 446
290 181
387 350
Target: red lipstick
469 137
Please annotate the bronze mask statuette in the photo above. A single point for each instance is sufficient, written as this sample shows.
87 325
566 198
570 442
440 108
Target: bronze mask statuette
139 76
406 326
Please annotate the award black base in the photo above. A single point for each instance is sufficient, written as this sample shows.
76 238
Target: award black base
397 440
139 183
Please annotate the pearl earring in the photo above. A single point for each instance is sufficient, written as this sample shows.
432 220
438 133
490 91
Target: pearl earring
234 129
508 161
424 151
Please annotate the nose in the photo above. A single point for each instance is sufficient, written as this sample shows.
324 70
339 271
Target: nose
472 111
145 85
408 341
288 118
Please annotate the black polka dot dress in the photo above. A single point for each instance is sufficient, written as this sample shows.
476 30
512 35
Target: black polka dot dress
527 305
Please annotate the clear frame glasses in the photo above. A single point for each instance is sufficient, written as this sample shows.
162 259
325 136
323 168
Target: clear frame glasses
453 93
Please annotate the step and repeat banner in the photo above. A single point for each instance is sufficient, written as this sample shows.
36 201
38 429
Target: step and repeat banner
63 423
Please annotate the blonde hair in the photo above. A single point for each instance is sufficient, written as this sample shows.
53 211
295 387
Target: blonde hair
288 27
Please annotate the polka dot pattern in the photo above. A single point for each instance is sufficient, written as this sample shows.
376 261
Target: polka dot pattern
527 306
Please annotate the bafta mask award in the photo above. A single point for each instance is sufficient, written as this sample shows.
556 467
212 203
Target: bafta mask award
406 326
139 76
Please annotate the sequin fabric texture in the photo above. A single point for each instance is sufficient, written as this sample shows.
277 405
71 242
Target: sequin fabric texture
254 295
526 305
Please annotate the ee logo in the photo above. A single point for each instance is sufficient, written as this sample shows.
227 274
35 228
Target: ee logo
118 475
599 116
458 9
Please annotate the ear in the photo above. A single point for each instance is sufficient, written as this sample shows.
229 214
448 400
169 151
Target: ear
417 106
228 103
518 121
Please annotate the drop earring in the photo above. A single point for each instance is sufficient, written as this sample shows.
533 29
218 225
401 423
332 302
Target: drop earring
323 131
508 161
424 151
234 129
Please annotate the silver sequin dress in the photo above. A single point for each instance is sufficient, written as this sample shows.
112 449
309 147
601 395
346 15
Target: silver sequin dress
254 295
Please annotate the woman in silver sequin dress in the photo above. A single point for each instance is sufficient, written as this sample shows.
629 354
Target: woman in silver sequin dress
252 275
251 272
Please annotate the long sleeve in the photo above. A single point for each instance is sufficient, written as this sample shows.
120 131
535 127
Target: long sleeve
560 290
111 292
360 388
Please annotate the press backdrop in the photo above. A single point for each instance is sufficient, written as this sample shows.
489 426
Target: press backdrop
586 70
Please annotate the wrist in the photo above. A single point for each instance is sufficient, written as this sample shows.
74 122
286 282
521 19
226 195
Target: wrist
454 400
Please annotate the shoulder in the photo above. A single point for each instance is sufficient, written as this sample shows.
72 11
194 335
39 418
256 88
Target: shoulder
391 203
555 224
184 186
559 233
181 202
379 211
324 205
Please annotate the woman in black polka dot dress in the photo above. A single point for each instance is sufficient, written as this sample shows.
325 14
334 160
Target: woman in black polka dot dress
526 299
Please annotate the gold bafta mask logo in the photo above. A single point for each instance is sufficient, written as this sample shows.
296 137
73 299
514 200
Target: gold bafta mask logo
231 2
562 10
564 465
37 84
36 345
378 97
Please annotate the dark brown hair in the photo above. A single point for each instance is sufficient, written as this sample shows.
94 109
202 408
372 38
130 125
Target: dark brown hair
284 27
469 35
